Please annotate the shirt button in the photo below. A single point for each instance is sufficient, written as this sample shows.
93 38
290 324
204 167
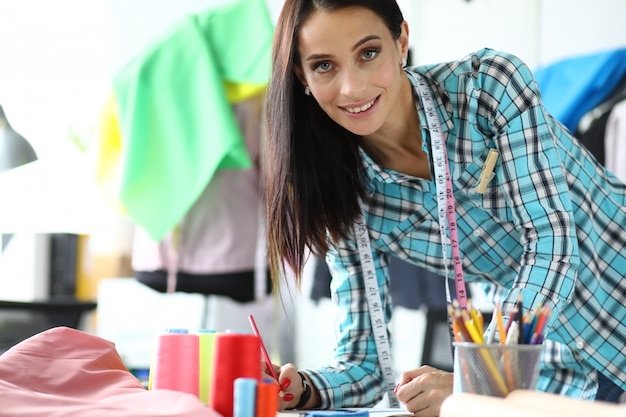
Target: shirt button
580 344
476 232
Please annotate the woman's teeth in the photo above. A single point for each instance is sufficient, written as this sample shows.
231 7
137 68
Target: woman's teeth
360 109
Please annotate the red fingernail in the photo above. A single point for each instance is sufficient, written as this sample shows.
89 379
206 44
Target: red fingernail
395 390
288 397
284 384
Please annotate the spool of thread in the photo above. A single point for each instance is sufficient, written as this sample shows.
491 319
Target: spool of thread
244 404
207 353
267 399
177 362
154 351
236 356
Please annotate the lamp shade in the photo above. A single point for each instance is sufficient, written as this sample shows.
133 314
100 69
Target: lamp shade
14 149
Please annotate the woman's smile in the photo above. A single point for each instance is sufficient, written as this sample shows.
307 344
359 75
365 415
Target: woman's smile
360 109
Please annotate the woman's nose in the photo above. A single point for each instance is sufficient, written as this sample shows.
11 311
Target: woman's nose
353 83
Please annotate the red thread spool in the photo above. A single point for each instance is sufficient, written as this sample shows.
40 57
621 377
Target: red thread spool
177 363
236 356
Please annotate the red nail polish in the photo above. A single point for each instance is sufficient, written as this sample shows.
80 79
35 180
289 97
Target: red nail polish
284 384
288 397
395 390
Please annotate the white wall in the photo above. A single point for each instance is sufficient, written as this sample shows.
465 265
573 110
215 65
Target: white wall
54 76
134 23
573 27
53 71
450 29
538 31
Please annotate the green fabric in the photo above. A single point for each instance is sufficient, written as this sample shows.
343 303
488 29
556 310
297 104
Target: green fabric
176 123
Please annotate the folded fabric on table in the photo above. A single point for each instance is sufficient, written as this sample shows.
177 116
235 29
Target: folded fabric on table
63 372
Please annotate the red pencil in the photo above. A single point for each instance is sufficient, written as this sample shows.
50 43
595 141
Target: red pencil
268 362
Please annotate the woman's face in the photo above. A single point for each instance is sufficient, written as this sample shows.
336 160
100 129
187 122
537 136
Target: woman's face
352 65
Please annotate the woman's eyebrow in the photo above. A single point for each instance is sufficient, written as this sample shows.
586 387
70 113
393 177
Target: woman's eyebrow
364 40
354 48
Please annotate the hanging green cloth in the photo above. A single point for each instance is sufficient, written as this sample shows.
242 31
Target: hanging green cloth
169 124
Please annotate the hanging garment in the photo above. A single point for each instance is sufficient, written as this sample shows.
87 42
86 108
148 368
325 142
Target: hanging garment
615 140
168 125
573 86
592 126
216 247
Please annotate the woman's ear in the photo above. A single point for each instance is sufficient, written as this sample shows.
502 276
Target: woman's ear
403 39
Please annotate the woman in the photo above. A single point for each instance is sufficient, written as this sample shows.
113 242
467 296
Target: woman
348 135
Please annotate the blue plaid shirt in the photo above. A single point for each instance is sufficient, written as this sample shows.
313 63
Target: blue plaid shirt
550 224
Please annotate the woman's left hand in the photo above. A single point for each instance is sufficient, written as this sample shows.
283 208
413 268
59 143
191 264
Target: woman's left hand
423 390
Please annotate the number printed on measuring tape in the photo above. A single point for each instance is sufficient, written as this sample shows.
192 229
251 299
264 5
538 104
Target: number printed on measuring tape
377 315
445 196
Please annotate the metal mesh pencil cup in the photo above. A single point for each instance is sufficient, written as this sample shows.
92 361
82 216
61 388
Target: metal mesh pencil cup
495 370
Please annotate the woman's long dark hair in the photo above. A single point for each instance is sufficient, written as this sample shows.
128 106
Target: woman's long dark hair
313 175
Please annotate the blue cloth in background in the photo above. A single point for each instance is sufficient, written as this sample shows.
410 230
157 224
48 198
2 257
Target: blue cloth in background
573 86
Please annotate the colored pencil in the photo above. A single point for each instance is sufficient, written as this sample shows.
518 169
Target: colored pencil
268 362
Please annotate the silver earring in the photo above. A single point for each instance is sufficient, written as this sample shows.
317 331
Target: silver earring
403 62
307 90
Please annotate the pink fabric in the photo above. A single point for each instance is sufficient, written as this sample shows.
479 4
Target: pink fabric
64 372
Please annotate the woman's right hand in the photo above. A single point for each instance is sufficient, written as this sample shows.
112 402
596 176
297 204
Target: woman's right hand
292 388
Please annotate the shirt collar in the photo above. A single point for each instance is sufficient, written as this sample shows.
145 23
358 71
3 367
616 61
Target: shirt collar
378 173
444 105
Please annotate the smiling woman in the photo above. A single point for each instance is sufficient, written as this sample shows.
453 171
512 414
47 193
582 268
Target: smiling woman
368 159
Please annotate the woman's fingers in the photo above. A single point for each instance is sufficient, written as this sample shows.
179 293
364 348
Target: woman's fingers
291 390
423 390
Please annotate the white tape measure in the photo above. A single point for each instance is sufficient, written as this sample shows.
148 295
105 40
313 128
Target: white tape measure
445 195
377 315
447 220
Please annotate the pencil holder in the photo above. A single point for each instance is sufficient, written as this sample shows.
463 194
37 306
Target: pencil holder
495 370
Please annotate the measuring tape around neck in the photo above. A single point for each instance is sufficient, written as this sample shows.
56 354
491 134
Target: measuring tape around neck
447 220
445 195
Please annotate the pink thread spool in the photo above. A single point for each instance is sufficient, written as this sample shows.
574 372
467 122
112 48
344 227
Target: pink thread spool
177 362
236 356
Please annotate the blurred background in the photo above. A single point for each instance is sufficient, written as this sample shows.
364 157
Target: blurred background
67 248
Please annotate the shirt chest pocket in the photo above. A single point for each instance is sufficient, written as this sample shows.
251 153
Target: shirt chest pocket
473 187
